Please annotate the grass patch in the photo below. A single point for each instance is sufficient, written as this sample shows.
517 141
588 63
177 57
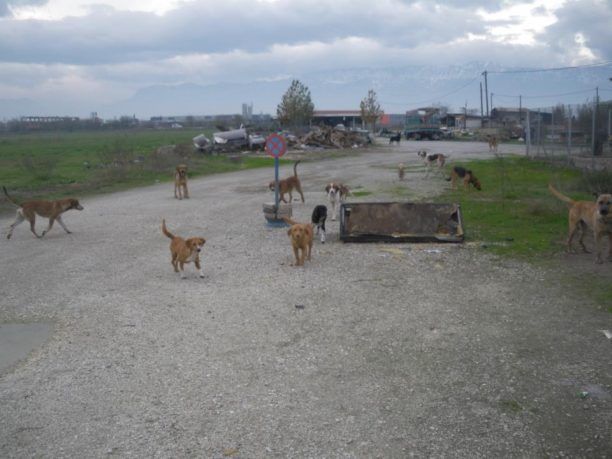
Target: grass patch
55 165
361 193
511 406
515 212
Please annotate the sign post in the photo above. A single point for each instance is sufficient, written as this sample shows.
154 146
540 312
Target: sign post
276 146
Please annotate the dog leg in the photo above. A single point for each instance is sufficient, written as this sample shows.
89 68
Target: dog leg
186 191
32 220
59 220
182 266
199 267
299 188
19 218
297 256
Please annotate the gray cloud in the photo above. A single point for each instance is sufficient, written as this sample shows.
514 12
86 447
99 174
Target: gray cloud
5 4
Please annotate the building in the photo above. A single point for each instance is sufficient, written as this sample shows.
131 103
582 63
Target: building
349 118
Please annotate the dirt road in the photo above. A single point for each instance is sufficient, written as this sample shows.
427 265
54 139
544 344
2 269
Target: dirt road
371 350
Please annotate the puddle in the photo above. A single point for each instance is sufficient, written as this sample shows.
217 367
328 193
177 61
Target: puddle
18 340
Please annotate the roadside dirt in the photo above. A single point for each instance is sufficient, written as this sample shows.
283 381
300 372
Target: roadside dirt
370 350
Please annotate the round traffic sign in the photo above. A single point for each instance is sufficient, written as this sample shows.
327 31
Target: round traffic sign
276 145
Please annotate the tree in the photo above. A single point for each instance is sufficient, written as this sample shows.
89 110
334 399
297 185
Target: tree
296 107
370 109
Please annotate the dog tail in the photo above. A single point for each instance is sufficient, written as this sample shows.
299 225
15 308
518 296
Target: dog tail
165 230
562 197
295 167
9 198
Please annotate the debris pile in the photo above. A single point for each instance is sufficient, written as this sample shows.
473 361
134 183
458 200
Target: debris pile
327 137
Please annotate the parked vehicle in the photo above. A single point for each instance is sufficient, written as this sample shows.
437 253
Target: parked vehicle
423 123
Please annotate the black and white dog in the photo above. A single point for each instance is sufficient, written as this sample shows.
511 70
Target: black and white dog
336 192
319 215
395 138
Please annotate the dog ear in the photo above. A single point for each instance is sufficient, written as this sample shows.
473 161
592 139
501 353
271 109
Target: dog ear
327 188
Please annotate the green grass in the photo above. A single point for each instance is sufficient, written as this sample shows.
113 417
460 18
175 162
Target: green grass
53 165
361 193
515 214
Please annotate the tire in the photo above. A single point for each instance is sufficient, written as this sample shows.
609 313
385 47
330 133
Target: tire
435 136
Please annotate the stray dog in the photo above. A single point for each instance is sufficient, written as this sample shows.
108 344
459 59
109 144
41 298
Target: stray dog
319 215
52 210
336 192
287 185
466 175
180 182
492 143
437 158
401 171
595 215
301 235
395 138
184 251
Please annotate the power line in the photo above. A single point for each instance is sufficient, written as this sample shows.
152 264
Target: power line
432 97
554 69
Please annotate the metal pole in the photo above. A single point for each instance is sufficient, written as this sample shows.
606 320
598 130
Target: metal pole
276 187
486 92
569 133
481 110
593 133
528 135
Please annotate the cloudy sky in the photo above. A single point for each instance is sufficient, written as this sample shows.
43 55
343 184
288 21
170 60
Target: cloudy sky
72 54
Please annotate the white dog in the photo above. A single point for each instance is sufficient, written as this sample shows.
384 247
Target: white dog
336 192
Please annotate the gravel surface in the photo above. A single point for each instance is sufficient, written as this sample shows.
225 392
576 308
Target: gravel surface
370 350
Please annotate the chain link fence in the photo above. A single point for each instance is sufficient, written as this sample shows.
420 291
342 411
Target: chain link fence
579 135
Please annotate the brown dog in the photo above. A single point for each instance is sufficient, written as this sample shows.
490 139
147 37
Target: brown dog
52 210
301 235
492 143
180 182
594 215
287 185
401 171
466 175
184 251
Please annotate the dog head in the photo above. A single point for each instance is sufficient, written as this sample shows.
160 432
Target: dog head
74 204
332 189
181 170
195 244
474 181
300 232
422 154
604 205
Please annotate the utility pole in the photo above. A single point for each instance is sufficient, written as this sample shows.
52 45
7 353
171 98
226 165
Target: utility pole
594 132
521 110
481 111
486 91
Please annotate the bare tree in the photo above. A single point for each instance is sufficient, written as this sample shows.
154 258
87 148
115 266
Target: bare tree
370 109
296 107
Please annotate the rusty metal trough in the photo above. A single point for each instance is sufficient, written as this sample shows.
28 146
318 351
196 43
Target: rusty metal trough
400 222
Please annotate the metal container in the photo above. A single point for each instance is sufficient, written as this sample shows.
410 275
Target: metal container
400 222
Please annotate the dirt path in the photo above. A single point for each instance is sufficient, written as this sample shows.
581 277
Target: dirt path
369 351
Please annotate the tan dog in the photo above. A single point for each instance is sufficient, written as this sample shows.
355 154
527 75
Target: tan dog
52 210
401 171
180 182
288 185
594 215
301 235
466 175
492 143
184 251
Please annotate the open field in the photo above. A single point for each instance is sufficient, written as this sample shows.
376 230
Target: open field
370 350
61 164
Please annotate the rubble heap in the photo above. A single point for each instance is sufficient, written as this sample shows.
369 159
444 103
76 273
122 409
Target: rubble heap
327 137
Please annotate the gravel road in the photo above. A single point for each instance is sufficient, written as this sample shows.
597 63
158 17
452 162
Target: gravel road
370 350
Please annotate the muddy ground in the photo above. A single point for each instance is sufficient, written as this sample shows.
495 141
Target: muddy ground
370 350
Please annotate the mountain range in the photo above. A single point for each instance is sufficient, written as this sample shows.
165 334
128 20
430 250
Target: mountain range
398 89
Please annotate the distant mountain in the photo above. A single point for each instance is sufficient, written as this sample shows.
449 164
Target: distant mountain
398 89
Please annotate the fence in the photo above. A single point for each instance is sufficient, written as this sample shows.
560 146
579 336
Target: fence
571 133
